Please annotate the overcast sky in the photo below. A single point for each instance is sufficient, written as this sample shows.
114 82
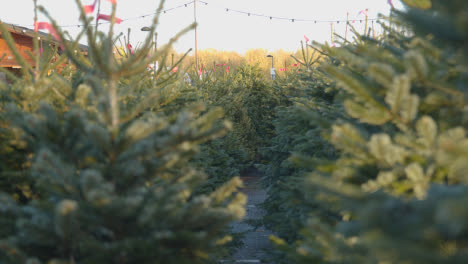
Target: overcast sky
218 28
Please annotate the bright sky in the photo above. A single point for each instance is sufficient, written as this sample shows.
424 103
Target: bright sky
218 29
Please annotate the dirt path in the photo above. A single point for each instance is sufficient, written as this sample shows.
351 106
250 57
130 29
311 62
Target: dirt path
255 240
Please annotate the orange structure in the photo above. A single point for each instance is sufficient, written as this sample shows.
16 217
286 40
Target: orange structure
23 38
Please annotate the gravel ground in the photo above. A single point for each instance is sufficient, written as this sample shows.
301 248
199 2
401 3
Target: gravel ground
255 240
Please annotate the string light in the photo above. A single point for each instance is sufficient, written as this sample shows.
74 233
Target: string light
280 18
227 10
132 18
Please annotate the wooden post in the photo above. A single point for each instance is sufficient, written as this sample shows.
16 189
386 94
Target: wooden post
373 31
36 43
346 32
98 12
391 19
365 27
155 50
331 35
196 26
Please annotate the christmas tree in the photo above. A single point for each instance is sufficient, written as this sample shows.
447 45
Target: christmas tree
394 193
110 172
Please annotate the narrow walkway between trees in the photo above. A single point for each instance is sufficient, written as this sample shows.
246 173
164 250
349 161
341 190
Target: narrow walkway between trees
255 240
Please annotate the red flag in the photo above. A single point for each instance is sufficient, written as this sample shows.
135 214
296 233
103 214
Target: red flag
201 70
90 8
364 12
227 69
47 26
130 48
108 18
306 38
175 69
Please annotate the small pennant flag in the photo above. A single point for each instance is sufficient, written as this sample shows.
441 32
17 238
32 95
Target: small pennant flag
90 8
306 38
201 70
363 12
175 69
47 26
108 18
130 48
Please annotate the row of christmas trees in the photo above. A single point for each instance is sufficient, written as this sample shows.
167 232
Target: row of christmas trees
98 161
369 161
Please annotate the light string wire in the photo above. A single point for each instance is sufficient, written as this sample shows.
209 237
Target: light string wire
129 18
315 21
254 14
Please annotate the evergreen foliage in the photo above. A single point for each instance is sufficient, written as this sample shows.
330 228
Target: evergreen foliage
394 192
111 172
298 128
249 103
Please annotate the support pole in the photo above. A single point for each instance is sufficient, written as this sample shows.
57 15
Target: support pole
196 26
373 31
331 32
367 19
155 50
346 32
98 12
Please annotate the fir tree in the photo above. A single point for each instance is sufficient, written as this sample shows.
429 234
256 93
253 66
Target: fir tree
112 178
394 193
